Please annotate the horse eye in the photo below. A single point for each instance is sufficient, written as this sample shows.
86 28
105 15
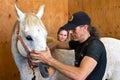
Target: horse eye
29 38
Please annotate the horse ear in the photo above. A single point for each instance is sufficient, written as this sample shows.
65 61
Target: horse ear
20 14
40 11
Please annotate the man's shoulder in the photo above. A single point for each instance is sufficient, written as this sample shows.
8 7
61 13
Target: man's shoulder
96 43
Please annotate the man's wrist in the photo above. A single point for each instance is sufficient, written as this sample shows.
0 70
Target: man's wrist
50 61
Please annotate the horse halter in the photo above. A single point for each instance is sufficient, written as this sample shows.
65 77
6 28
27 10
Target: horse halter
43 67
19 38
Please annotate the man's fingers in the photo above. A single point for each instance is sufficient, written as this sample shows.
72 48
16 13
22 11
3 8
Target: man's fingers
34 56
36 51
35 61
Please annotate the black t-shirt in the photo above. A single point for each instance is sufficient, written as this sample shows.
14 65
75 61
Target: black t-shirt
94 48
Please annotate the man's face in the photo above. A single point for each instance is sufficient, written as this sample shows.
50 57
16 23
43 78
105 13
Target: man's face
77 33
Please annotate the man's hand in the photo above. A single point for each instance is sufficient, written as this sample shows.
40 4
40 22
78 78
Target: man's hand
41 56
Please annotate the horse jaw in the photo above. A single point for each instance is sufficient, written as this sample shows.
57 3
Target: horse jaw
40 11
20 14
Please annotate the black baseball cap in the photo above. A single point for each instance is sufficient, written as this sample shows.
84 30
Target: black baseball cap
79 18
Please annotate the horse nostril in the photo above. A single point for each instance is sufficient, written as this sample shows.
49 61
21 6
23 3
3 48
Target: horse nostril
29 38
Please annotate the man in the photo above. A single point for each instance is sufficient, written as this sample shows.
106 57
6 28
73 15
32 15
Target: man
90 53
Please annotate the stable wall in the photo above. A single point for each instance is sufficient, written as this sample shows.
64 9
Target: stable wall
105 15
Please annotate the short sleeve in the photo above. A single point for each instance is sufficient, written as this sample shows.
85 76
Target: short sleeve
95 49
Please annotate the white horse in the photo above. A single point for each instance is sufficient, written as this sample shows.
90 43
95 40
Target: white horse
30 34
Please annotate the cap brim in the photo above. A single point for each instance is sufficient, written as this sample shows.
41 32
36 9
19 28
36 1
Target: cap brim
69 26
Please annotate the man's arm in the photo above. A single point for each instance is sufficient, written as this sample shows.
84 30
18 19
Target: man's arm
76 73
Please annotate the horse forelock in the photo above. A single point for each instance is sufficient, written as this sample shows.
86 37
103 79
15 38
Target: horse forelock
32 20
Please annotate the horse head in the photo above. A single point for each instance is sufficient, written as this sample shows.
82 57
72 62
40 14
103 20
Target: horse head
31 30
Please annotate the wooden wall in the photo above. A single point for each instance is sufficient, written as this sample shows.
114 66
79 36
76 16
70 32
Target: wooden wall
105 15
56 14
